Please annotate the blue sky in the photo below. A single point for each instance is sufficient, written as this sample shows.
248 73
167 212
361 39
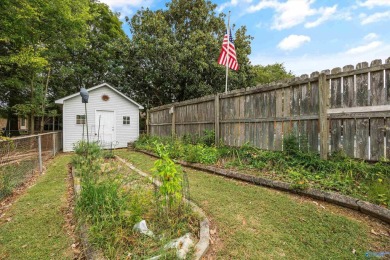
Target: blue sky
305 35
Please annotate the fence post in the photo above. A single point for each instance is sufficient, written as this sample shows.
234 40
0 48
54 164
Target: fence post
173 131
54 143
323 116
40 153
216 119
147 122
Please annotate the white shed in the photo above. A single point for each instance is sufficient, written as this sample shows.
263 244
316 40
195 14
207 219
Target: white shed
113 118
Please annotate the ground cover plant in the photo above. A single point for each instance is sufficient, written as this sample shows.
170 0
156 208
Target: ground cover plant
113 199
33 227
297 165
252 222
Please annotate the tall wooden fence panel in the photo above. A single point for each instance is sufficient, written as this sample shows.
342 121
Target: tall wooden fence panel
340 109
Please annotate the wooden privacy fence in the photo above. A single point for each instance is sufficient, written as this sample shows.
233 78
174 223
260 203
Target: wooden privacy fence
345 109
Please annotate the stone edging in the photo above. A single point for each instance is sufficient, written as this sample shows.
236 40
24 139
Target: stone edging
204 235
331 197
90 252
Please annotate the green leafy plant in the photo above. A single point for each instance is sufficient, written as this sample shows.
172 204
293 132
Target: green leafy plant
208 137
291 144
170 176
299 180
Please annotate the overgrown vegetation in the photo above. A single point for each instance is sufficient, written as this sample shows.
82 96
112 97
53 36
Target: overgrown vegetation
295 164
15 174
113 200
253 222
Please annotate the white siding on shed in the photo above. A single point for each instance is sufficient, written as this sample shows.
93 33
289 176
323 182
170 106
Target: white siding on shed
72 132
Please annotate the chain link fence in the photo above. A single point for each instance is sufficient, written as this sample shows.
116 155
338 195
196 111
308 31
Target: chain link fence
23 157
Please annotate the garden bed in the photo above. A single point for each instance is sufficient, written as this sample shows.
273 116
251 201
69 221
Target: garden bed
113 199
302 170
252 222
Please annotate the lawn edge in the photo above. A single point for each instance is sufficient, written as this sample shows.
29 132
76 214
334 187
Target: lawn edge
345 201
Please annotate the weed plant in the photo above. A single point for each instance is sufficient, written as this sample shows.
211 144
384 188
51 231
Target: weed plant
112 201
14 175
296 164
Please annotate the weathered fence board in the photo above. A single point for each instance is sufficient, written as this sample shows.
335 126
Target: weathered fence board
349 131
377 88
346 109
377 138
349 99
362 135
362 86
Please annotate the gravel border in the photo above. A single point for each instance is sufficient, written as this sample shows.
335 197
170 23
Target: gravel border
204 235
328 196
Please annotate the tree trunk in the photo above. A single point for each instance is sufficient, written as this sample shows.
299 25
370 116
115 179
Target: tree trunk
12 128
32 114
43 102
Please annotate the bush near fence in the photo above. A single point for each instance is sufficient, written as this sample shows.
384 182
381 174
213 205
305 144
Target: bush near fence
22 157
340 109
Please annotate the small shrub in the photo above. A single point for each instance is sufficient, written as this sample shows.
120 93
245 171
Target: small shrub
200 154
170 176
208 137
291 144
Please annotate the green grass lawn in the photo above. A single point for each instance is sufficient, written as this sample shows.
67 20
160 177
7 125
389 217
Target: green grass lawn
257 223
33 228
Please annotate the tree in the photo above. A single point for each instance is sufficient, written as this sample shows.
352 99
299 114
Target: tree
270 73
49 49
32 34
176 52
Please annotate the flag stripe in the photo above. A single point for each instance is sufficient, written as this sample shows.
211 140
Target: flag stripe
223 56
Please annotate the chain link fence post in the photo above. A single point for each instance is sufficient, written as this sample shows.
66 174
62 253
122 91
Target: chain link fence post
54 144
40 153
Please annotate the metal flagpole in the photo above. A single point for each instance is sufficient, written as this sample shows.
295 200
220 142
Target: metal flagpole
227 55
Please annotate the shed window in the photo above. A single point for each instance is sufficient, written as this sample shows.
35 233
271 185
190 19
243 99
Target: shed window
126 120
23 122
80 119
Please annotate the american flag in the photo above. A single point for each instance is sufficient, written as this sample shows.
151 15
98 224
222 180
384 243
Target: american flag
233 64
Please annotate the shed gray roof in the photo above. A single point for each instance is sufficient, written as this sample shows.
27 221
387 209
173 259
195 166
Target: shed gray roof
61 101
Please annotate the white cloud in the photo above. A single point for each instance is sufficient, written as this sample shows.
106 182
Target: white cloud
293 12
263 5
121 3
231 3
293 41
370 36
327 13
125 7
364 48
373 3
306 64
376 17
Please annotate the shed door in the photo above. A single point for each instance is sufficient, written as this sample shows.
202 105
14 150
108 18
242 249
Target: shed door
105 127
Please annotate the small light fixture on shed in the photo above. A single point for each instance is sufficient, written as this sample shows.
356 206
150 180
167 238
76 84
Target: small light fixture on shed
84 95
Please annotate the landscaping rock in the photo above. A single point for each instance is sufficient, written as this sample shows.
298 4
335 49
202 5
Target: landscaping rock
341 200
262 182
312 193
182 244
282 186
142 228
374 210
